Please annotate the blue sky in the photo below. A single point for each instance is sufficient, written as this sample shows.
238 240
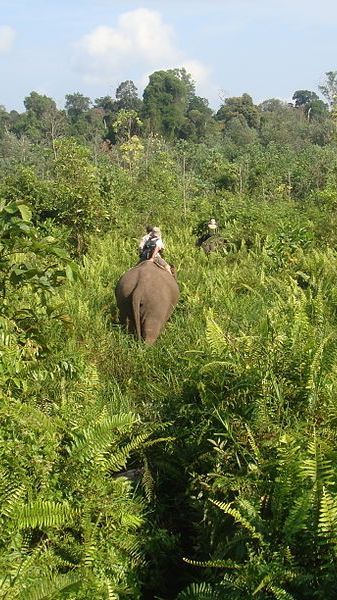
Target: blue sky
267 48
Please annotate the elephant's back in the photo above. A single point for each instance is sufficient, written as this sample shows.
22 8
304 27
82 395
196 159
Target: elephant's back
149 279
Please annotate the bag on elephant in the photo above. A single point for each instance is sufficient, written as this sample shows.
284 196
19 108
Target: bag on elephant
149 247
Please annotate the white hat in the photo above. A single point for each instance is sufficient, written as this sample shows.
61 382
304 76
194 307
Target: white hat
156 231
212 224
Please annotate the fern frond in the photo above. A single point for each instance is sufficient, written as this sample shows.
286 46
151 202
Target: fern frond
213 564
327 525
253 444
96 439
298 517
48 588
238 518
117 461
317 468
131 545
215 337
316 365
43 513
280 594
19 570
198 591
12 497
112 595
148 482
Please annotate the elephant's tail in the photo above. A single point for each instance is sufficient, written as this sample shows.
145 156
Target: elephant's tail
136 312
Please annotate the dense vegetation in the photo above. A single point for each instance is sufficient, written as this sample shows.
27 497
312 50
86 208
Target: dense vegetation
204 466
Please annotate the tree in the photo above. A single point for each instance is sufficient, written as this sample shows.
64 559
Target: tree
329 89
76 105
127 96
165 101
126 124
38 105
310 103
241 106
186 78
109 108
198 117
42 122
4 120
303 98
75 201
273 105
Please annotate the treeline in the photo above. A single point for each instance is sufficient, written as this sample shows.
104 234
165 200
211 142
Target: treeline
170 108
77 167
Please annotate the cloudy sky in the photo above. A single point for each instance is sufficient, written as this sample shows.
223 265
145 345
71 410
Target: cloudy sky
267 48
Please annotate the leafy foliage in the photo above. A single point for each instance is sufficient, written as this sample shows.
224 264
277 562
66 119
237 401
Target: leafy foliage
217 445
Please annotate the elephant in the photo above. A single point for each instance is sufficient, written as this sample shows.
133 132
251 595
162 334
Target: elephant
211 243
146 296
216 243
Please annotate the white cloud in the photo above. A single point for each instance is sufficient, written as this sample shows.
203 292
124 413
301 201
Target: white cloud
198 70
140 43
7 35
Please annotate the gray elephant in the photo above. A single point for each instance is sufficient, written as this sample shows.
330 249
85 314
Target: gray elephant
146 296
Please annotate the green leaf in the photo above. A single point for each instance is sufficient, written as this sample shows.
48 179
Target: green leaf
25 211
70 273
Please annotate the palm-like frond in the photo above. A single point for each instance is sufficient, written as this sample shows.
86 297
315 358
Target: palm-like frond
199 591
215 337
317 467
239 518
43 513
327 525
11 494
48 588
96 439
280 594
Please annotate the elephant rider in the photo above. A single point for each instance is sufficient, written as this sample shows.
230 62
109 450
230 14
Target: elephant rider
152 248
206 230
212 226
144 240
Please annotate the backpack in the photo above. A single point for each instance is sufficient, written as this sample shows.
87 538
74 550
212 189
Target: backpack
149 247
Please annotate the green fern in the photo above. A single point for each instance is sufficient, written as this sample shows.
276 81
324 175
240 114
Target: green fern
10 494
239 518
148 482
316 467
215 337
49 588
96 439
327 526
199 591
213 564
43 513
280 594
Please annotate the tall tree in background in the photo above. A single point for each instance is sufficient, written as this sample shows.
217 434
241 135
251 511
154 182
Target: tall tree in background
165 102
186 78
76 105
199 117
42 122
241 107
329 89
310 103
108 107
4 120
81 120
127 96
38 104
